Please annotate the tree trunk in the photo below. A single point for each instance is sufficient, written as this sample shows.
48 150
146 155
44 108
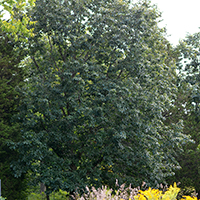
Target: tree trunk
42 188
48 197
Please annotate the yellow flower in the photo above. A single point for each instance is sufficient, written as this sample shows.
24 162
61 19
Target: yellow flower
171 193
139 197
189 198
151 194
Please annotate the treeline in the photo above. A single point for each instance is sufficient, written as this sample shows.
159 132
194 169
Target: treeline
92 91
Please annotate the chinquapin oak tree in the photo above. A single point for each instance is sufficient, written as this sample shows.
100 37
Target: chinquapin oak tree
100 79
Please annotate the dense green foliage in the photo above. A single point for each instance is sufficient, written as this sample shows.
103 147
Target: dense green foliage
101 77
13 35
102 101
187 108
11 76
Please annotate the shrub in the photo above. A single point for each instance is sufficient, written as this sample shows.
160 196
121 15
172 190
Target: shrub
60 195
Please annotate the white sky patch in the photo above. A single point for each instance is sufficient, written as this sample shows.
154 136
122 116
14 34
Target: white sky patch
179 17
6 14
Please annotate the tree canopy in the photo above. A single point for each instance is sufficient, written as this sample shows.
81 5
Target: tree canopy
101 77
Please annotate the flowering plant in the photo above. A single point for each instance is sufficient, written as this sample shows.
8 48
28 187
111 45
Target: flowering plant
129 193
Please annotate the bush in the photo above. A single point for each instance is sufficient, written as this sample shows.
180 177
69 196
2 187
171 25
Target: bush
60 195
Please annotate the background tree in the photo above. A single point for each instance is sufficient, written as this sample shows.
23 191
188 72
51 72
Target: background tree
11 76
187 108
100 79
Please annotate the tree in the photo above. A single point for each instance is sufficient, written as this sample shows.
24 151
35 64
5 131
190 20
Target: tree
11 76
188 110
100 79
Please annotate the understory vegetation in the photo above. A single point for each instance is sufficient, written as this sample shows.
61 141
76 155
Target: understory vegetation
122 193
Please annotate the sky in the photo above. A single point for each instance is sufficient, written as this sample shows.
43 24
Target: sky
179 17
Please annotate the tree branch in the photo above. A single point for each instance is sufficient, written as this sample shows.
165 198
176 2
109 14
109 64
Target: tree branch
63 111
120 74
38 68
52 53
60 50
